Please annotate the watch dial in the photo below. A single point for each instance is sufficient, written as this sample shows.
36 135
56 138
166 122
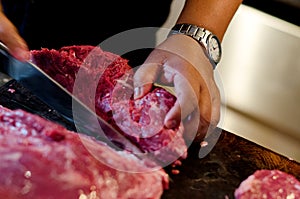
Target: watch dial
214 49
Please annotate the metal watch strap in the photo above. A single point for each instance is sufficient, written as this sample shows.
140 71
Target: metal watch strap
200 34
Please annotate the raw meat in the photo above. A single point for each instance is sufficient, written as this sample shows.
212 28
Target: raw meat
40 159
77 68
269 184
142 121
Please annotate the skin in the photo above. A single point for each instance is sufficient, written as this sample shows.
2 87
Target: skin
179 61
9 35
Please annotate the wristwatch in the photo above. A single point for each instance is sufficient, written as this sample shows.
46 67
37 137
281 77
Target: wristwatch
205 38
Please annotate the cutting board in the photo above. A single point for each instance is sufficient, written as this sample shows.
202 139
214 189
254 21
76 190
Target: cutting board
215 176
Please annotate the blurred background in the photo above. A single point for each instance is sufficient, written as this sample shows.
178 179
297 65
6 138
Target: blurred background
259 74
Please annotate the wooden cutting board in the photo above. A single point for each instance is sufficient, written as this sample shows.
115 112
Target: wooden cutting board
215 176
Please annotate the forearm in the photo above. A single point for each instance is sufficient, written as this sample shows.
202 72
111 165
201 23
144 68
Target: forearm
1 7
214 15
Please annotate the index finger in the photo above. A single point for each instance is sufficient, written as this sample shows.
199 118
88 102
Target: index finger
186 103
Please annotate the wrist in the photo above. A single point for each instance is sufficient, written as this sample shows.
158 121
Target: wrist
208 41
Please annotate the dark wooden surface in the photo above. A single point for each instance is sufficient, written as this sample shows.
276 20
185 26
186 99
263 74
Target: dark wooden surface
218 174
215 176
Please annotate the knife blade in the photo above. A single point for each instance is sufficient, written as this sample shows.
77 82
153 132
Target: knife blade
57 97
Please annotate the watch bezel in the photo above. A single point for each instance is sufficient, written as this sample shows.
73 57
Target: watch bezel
202 36
208 43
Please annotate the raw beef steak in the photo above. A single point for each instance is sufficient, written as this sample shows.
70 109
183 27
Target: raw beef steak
40 159
269 184
103 81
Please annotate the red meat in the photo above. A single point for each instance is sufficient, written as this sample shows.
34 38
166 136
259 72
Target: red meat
142 122
111 96
270 184
40 159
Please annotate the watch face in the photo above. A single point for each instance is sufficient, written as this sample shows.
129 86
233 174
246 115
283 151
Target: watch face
214 49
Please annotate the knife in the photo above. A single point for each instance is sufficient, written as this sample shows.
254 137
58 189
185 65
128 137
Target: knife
57 97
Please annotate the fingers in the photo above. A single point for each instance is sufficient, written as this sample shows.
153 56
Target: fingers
144 78
197 105
19 51
187 101
11 38
191 125
209 114
209 103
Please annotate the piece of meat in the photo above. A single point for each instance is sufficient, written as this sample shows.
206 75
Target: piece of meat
142 121
103 81
269 184
41 159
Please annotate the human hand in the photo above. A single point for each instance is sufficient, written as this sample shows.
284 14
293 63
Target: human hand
181 62
11 38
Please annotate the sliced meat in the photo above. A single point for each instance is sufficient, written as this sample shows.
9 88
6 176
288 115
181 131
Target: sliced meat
41 159
142 121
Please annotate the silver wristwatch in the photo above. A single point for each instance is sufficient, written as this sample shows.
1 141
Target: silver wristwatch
204 37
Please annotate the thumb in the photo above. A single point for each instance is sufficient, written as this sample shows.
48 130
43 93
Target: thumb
143 79
9 35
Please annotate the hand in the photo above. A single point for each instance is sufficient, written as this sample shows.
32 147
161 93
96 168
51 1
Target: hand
11 38
181 62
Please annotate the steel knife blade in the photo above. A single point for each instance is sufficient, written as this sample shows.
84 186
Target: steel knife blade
57 97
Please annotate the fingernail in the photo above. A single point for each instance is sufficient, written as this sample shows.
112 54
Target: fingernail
137 92
21 54
171 124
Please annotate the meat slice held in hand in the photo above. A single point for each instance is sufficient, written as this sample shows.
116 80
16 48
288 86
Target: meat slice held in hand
103 81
